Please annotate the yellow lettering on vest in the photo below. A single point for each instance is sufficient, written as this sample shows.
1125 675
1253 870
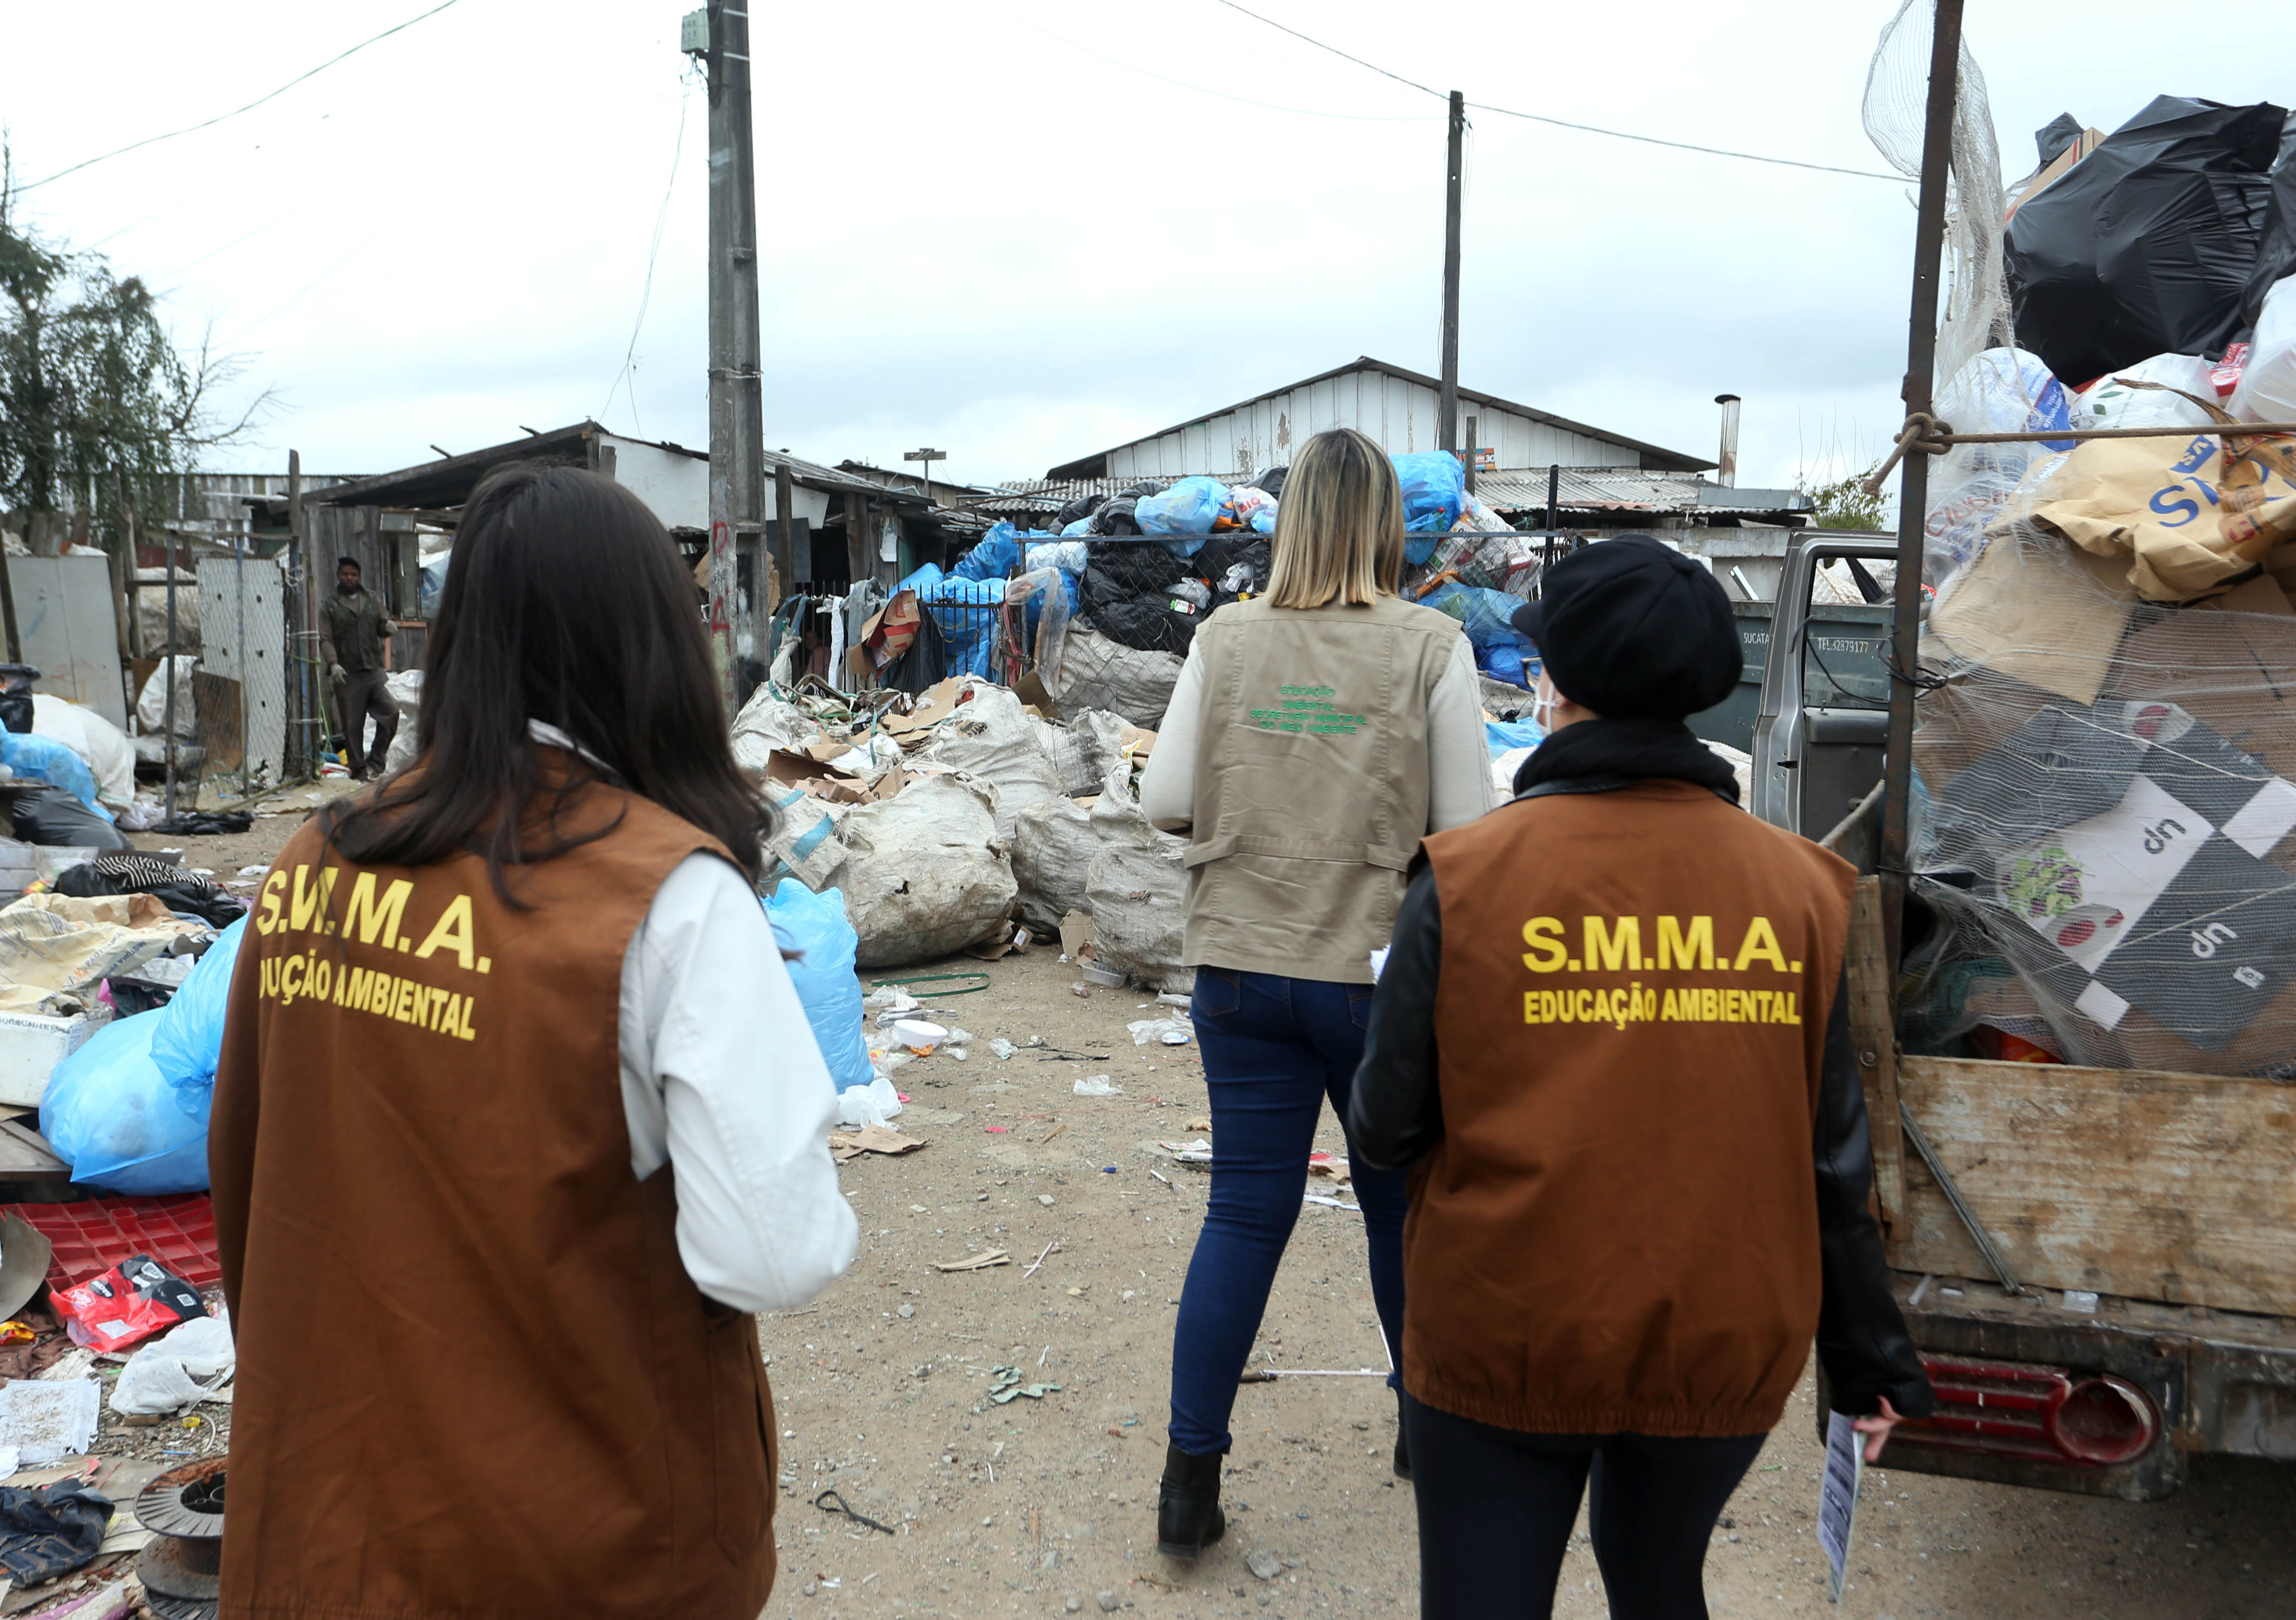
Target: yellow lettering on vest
291 980
322 979
452 928
1761 946
463 1030
355 981
442 1001
1544 935
1668 1012
267 917
309 909
1680 949
1601 1007
263 980
1762 1000
375 922
402 1005
1586 1007
1709 1005
1531 1006
1619 944
1792 1015
382 996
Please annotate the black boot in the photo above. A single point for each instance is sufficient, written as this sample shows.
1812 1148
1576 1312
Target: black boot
1188 1517
1402 1441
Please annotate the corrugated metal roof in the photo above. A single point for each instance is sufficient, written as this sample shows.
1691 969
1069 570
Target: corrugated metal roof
1582 489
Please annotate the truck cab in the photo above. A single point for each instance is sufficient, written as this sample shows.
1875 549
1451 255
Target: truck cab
2144 1222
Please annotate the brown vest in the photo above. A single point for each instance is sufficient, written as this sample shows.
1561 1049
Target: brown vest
1618 1230
1311 782
474 1378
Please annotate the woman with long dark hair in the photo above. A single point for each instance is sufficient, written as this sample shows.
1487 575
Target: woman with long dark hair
518 1119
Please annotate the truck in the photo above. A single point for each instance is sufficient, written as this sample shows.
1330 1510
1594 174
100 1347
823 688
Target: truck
2098 1266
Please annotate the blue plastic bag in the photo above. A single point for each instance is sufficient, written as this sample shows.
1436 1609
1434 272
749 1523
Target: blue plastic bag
1434 487
1509 664
1503 735
815 926
112 1115
1189 507
1488 615
50 761
996 554
190 1038
1263 520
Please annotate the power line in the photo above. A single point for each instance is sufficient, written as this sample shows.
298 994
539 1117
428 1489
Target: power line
645 297
1616 134
1713 152
235 112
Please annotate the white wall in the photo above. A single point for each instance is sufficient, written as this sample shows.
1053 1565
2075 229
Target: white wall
1398 413
674 487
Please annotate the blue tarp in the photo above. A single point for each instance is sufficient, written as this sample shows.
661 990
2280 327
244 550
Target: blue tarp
50 761
996 553
1502 735
965 609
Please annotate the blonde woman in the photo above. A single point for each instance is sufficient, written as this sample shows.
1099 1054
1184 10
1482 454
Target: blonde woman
1315 735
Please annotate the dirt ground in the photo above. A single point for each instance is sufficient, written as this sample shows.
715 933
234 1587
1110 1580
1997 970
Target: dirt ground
1045 1505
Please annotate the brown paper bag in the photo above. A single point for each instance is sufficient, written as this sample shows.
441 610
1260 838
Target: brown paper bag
2190 513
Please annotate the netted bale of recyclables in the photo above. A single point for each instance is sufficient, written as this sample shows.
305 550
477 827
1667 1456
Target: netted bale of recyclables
2107 774
1138 892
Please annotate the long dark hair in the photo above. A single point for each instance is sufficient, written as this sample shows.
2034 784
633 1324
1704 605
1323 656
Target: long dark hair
565 602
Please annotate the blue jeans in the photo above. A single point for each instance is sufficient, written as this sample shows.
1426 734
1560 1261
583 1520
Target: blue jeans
1273 1050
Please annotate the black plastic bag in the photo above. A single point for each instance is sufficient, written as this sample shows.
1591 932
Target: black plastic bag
50 814
207 823
16 697
923 663
1083 506
139 874
2276 256
2145 246
1128 570
1152 624
1272 481
1116 517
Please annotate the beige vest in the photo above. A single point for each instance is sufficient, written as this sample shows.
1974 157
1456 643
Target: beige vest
1311 782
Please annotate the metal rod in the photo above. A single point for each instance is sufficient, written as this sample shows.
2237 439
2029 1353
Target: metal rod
168 669
1913 497
1553 491
2229 429
239 582
1446 409
1984 1239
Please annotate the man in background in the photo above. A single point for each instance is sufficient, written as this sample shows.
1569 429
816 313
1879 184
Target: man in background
353 644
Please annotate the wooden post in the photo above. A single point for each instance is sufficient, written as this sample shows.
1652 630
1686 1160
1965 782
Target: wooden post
1470 455
1873 1038
1447 413
785 547
860 553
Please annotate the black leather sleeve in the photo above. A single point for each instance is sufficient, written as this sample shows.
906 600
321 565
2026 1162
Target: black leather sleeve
1394 1111
1862 1340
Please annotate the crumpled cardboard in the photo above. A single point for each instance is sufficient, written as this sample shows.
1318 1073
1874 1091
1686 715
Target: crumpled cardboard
2045 613
2188 513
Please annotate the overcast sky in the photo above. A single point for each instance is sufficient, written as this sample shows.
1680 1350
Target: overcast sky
1022 230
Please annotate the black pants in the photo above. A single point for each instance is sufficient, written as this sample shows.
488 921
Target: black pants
364 694
1496 1509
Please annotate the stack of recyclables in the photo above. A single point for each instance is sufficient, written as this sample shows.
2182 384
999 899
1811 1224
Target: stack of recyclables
2106 780
128 1112
1501 650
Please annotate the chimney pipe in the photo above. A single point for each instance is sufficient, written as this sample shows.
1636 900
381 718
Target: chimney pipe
1728 475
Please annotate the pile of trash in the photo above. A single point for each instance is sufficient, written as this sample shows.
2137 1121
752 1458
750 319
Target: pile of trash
939 820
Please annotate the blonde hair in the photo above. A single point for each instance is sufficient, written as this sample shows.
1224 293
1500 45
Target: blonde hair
1338 526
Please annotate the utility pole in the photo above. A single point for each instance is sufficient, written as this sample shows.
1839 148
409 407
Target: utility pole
928 457
737 441
1446 412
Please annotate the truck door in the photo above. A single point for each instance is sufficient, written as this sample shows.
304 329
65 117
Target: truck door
1825 689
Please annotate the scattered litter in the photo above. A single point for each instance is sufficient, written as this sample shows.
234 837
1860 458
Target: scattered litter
1174 998
1031 1271
45 1533
996 1130
830 1501
1058 1126
1097 1086
1006 1384
958 1052
920 1036
889 1000
871 1139
253 871
132 1301
1201 1123
1317 1197
1267 1566
1045 1199
1330 1166
1080 988
1170 1032
1160 1176
868 1105
45 1420
1001 1047
1108 1169
181 1369
1108 977
1196 1152
975 1262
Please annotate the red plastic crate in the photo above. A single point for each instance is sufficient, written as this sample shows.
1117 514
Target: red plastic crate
94 1236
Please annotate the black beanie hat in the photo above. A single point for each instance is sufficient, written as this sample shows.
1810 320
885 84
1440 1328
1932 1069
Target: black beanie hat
1633 629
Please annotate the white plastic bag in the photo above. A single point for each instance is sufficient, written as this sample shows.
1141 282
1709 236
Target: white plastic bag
2001 390
2109 401
110 756
868 1105
151 703
186 1365
2266 391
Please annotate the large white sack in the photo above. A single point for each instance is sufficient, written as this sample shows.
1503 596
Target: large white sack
109 755
1053 845
923 873
1097 672
151 703
2267 391
989 737
1139 892
2111 402
766 723
405 689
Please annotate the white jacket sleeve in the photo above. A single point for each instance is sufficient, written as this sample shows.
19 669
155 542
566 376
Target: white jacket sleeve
721 1079
1168 785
